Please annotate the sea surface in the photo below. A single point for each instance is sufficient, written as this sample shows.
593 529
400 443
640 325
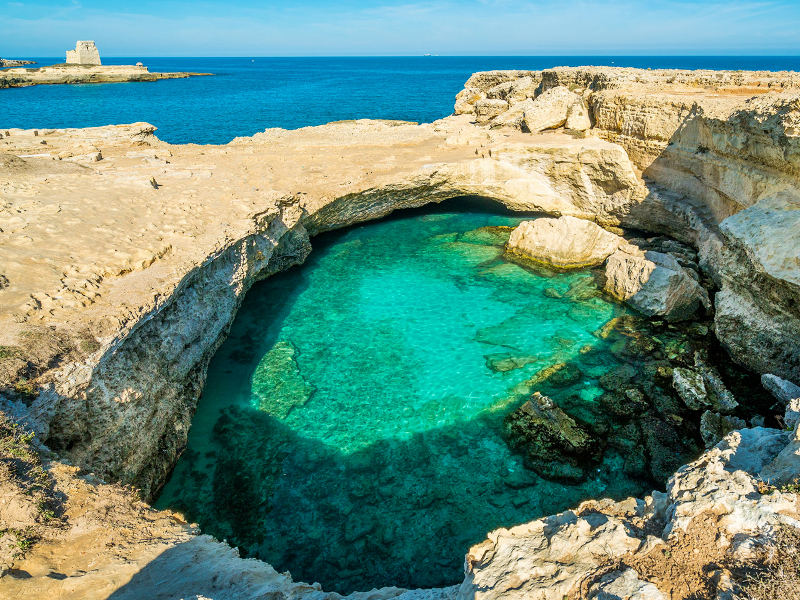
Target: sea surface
248 95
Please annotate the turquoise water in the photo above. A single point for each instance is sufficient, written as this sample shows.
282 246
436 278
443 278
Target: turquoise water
350 431
247 95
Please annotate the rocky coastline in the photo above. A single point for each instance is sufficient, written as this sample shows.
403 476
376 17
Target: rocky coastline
125 260
5 63
69 74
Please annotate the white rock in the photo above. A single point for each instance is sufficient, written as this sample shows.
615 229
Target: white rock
564 243
513 117
578 117
786 466
624 585
792 415
544 559
783 390
654 284
690 387
549 109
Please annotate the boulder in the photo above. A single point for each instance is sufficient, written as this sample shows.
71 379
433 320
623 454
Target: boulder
578 117
549 110
690 387
487 109
783 390
785 468
552 443
562 243
466 99
792 416
654 283
513 116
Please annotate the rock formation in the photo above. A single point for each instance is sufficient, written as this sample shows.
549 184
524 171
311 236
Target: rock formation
563 243
115 294
85 53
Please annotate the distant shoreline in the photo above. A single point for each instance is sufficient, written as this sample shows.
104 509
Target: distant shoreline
71 74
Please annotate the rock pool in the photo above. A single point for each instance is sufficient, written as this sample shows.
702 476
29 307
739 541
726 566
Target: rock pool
351 430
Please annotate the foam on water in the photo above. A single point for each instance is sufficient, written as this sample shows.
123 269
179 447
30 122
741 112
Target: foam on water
350 429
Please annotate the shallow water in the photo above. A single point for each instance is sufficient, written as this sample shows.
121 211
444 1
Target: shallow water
350 428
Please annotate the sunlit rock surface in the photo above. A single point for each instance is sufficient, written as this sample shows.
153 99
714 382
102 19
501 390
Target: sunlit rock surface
116 292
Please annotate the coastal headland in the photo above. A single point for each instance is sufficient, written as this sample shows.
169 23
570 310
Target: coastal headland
124 260
66 73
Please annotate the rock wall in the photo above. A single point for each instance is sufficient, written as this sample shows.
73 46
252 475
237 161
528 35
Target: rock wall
720 153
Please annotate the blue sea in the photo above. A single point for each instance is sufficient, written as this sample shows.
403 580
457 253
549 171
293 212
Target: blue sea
248 95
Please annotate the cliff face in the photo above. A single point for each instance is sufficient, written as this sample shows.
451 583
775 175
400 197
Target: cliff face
125 259
719 154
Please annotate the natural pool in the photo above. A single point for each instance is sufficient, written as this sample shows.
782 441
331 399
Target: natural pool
351 427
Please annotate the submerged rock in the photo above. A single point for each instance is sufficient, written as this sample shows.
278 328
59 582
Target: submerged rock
552 443
503 363
277 383
690 387
563 243
557 375
487 236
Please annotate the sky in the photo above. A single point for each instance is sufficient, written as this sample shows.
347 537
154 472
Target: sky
405 28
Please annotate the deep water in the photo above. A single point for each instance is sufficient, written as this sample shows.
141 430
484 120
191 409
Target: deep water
248 95
351 429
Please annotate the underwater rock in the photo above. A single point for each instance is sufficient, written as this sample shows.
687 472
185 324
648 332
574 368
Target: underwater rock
487 236
690 387
721 398
553 444
277 382
562 243
618 378
503 363
783 390
558 375
583 289
654 283
714 427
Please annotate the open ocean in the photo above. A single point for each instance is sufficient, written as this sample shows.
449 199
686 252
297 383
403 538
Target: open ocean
248 95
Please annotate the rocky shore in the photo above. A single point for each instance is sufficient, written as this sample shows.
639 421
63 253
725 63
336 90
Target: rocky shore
125 259
57 74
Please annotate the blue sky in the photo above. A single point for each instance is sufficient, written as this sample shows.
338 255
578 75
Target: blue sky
364 28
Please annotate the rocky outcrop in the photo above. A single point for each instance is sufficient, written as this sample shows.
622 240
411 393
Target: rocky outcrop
551 442
784 391
107 329
563 243
549 110
75 73
654 283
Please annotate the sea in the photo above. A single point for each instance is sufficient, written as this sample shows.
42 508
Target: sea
248 95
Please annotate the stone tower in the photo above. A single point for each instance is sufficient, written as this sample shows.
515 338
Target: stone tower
85 53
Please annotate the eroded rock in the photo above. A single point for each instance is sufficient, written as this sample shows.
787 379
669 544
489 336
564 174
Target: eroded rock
563 243
549 110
